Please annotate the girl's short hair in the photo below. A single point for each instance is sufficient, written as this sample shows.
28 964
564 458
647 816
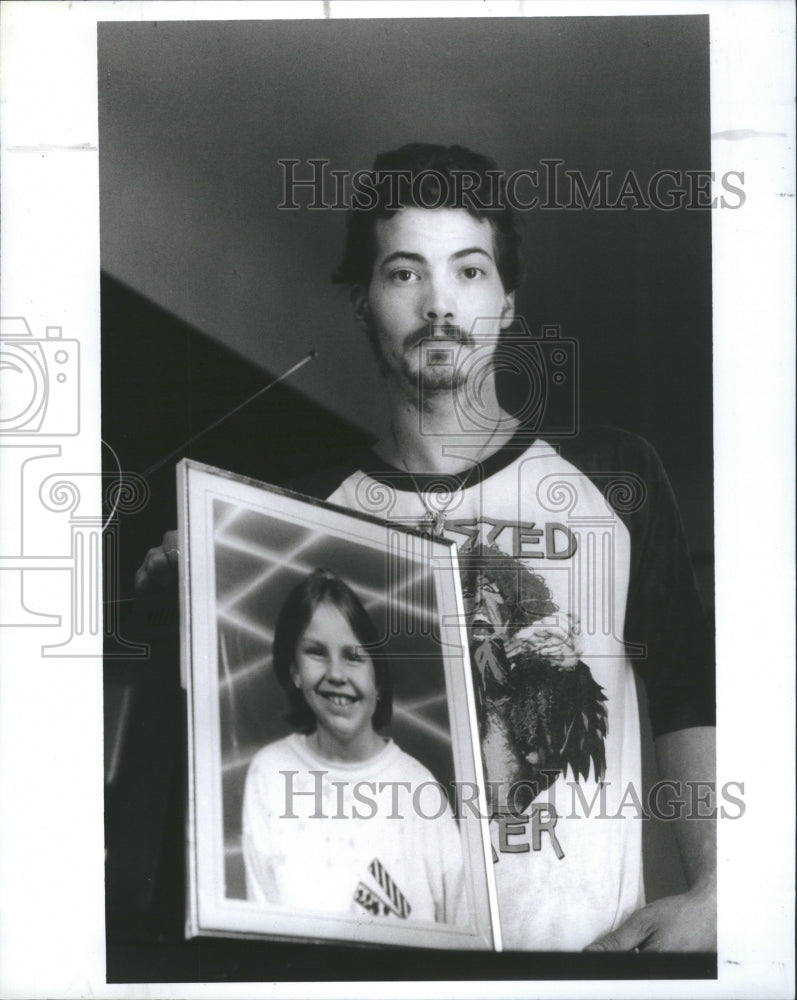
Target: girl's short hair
322 586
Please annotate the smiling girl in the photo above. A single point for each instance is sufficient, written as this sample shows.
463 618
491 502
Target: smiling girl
324 828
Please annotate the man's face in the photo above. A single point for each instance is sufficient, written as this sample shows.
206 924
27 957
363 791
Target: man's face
434 276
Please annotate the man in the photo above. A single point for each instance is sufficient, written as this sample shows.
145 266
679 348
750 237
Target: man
431 262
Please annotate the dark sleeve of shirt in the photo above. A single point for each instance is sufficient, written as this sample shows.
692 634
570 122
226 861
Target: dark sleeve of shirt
666 629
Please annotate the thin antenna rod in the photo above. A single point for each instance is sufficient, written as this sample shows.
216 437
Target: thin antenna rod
280 378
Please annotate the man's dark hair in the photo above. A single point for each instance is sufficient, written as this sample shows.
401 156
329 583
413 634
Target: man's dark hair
322 586
425 175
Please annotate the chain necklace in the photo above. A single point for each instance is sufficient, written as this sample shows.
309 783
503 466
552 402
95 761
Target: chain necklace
434 520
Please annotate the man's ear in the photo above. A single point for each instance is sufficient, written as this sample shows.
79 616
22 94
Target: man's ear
358 296
508 311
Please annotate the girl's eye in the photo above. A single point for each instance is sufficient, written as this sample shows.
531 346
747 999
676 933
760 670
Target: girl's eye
471 272
313 650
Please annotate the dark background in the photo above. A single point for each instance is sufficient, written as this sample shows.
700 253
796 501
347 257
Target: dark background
209 291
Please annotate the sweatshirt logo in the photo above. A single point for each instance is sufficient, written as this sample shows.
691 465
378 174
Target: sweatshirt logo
393 902
524 540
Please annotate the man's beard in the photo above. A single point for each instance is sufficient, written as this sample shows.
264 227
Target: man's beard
435 363
432 378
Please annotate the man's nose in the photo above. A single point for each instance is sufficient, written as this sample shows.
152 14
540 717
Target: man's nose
440 303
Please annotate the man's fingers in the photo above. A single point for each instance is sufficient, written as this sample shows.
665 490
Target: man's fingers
152 571
629 936
160 564
169 540
686 922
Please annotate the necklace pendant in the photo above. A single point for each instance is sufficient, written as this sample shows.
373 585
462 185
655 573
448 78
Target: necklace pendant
433 522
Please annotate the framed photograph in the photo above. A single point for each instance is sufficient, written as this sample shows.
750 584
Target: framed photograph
334 774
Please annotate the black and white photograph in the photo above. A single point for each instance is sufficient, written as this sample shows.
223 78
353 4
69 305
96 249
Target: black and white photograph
404 292
396 427
332 726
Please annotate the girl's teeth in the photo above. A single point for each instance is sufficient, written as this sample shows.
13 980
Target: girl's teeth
338 700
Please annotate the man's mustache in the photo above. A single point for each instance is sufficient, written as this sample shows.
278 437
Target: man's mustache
438 331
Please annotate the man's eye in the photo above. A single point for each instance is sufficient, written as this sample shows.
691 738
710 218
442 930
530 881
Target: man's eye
403 275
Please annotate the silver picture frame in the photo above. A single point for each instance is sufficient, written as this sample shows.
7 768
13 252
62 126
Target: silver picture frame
244 546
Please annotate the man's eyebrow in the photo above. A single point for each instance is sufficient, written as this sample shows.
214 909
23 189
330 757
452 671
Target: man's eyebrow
403 255
420 259
469 250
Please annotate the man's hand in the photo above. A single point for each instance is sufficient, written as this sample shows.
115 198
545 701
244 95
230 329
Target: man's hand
687 922
159 569
676 923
